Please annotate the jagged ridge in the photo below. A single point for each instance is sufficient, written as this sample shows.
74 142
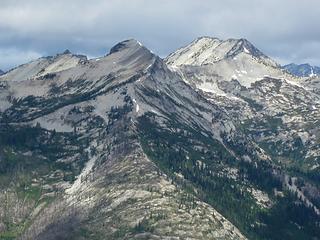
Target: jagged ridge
133 150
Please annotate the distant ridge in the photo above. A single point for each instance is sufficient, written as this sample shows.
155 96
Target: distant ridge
302 70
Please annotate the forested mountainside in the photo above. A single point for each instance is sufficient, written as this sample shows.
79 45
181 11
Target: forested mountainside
216 141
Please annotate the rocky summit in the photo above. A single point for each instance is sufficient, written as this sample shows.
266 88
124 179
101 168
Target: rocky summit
216 141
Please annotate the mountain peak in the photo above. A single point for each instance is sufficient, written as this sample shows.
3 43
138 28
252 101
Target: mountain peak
67 51
131 51
126 44
207 38
302 70
45 65
1 72
244 46
209 50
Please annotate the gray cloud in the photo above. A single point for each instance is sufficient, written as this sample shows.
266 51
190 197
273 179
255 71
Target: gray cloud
284 29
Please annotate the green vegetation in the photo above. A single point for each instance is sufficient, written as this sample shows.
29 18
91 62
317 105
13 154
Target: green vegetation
28 162
288 219
178 148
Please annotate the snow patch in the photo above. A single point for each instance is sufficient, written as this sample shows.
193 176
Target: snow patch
137 105
246 50
85 172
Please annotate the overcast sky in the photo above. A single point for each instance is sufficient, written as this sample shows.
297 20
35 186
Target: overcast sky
287 30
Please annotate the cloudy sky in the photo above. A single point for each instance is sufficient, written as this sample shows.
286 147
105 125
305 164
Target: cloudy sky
287 30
